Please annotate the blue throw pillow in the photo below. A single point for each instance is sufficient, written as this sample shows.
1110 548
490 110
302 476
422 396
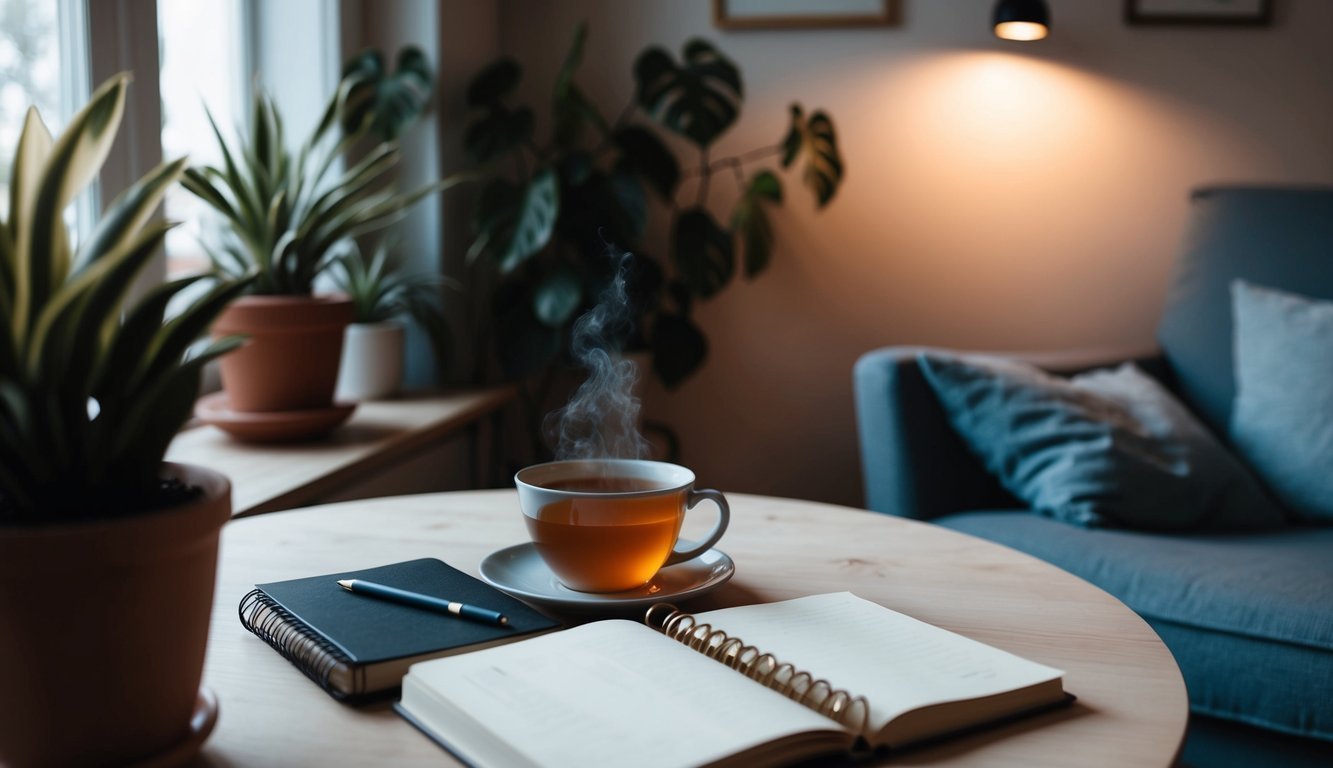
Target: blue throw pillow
1106 448
1282 420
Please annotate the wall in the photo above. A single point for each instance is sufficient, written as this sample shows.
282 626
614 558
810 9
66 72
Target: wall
998 195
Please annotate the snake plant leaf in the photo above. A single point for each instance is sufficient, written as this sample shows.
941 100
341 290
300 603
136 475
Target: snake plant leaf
74 161
118 369
34 147
556 297
130 211
244 199
750 221
384 102
703 252
650 158
498 131
176 336
679 348
71 322
535 221
699 99
816 140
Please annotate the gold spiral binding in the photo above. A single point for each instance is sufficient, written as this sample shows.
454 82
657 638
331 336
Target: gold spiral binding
850 711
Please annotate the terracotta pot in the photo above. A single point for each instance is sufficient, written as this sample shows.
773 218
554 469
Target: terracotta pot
372 363
104 628
291 361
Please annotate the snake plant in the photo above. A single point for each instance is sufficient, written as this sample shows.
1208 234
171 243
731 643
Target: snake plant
286 215
92 389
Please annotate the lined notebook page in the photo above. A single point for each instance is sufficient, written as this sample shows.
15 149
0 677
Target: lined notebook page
895 661
603 692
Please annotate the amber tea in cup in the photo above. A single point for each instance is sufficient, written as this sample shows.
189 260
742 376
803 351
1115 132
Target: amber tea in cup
608 525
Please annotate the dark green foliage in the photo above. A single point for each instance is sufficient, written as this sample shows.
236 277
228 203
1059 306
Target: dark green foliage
91 391
545 217
384 102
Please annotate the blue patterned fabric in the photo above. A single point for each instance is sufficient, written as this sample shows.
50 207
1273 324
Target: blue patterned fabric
1105 448
1249 618
1283 419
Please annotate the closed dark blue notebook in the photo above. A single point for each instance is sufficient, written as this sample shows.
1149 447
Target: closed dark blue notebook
355 647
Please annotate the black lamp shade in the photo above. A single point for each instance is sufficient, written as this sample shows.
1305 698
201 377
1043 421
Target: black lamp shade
1021 19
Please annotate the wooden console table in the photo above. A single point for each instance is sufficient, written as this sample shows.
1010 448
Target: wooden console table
270 477
1131 707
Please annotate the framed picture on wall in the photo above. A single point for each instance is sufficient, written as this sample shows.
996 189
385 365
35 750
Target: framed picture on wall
803 14
1233 12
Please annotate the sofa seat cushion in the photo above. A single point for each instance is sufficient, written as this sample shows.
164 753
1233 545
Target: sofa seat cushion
1249 618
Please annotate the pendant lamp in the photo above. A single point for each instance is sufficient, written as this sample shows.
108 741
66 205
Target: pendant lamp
1021 19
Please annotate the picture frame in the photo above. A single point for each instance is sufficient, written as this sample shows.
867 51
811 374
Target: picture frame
1199 12
803 14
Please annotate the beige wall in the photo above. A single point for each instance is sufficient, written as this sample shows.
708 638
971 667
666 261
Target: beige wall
998 195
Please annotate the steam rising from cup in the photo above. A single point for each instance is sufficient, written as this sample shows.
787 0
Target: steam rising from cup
601 419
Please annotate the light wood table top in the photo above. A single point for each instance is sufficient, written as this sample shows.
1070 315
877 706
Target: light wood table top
1131 707
270 477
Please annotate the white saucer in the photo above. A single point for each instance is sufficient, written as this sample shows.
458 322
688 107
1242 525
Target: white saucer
521 572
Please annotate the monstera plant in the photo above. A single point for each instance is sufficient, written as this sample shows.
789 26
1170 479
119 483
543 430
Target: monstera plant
553 203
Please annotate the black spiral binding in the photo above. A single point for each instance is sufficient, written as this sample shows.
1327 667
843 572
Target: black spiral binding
305 648
852 712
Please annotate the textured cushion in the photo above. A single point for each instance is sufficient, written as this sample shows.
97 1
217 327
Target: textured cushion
1276 236
1249 618
1104 448
1283 418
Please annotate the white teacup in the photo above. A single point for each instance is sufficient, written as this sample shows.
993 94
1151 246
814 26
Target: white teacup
607 525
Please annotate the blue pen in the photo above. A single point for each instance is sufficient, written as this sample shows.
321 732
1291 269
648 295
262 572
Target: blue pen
417 600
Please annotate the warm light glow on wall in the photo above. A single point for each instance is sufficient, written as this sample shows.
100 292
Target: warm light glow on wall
1021 30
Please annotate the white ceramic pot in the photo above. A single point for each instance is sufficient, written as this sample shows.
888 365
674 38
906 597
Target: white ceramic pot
372 363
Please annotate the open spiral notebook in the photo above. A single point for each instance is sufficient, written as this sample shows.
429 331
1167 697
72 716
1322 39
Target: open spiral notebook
825 674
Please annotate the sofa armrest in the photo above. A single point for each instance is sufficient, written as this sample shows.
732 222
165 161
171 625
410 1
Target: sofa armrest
912 462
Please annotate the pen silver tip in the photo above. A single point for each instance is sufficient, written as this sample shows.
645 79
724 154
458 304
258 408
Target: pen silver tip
345 584
504 621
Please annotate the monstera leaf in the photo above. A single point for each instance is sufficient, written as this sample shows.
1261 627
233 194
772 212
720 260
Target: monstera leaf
750 221
557 297
698 100
815 139
534 223
386 102
703 252
498 128
649 157
679 348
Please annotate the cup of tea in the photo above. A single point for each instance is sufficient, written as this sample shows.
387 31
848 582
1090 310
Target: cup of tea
607 525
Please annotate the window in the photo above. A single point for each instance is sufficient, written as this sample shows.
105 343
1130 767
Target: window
204 60
43 62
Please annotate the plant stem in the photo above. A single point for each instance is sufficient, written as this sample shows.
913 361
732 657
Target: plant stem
734 161
706 173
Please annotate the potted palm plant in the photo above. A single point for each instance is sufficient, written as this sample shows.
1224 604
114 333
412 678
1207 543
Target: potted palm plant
286 216
382 293
107 553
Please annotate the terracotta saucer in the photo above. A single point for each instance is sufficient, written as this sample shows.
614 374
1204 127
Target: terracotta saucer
270 426
201 725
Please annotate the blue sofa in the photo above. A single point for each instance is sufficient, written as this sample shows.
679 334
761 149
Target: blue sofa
1249 617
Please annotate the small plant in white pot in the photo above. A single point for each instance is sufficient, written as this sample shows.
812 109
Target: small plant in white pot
382 296
108 554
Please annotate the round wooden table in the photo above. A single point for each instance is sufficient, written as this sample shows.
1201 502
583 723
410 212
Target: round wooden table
1131 707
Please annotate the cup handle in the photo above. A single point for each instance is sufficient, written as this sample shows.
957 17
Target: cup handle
723 517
